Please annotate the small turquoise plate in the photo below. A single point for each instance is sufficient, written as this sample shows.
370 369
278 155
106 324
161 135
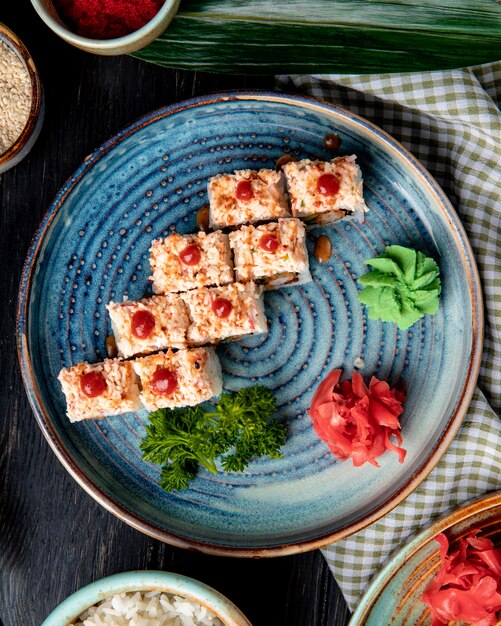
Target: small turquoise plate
394 596
126 582
150 179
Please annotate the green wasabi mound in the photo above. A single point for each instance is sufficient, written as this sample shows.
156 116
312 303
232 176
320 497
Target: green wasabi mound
403 286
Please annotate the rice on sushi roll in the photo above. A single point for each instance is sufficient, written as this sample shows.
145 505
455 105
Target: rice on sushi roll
149 325
183 262
228 312
99 390
273 253
322 192
177 379
246 196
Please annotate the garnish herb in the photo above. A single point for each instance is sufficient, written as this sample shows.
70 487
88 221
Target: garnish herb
240 428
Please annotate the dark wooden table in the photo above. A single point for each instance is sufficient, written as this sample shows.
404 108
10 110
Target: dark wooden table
54 538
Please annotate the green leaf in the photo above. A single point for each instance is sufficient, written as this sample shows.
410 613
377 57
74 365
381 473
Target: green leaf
177 476
177 435
235 463
183 439
258 399
322 36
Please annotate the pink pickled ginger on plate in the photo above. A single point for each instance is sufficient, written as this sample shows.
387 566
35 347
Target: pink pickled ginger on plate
357 421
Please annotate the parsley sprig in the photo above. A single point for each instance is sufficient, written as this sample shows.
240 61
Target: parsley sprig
240 428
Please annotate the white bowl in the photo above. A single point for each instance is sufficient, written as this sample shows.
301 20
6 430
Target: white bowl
120 45
71 608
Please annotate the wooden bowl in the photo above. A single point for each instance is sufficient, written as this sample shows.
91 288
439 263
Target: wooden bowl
23 144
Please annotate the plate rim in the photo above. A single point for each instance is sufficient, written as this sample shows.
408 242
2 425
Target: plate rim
398 557
43 418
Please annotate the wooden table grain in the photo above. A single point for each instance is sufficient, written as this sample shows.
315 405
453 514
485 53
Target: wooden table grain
54 538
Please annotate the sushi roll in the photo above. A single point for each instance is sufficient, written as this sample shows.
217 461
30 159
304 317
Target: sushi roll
322 192
229 312
183 262
273 253
247 196
183 378
99 390
149 325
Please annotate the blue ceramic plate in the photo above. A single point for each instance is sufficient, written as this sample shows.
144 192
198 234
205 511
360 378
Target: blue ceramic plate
149 180
394 596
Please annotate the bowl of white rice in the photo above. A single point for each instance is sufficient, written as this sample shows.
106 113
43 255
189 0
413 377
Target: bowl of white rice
147 598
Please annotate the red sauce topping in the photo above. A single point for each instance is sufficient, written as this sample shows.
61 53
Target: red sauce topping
328 185
93 384
244 190
190 255
164 382
269 242
221 307
142 324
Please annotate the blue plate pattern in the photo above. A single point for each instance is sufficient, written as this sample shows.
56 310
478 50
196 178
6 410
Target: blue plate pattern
150 180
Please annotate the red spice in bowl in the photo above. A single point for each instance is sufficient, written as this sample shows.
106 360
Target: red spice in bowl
107 19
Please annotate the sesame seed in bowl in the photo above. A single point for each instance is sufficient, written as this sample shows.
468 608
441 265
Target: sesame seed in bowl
21 100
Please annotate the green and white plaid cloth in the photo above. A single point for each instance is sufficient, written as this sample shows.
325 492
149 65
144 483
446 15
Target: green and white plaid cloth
451 122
